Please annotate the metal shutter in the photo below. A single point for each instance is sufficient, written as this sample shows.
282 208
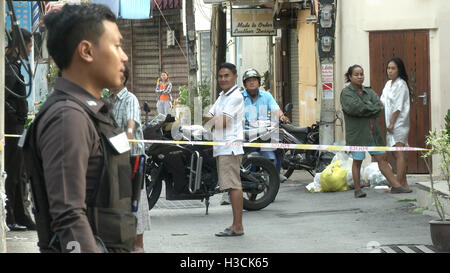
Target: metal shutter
145 43
293 68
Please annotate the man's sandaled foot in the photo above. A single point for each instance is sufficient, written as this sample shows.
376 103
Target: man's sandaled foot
138 250
360 194
400 190
229 233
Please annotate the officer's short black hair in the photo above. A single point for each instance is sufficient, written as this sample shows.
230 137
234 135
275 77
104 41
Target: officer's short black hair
229 66
71 25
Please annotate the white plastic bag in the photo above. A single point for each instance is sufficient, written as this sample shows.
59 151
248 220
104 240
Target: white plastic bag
373 175
351 183
346 160
315 186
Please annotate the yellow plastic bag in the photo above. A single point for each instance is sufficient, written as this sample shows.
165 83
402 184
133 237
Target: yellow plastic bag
333 178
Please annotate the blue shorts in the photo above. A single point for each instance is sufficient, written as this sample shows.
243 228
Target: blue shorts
362 155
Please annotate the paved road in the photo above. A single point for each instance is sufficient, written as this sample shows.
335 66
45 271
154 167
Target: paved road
296 222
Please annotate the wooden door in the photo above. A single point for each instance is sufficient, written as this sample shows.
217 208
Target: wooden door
412 46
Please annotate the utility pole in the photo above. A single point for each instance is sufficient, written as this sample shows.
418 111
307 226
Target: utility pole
326 26
2 131
192 50
218 45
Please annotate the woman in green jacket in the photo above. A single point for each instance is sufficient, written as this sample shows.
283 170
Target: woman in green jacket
361 106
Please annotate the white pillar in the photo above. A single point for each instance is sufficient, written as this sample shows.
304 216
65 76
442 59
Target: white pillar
2 130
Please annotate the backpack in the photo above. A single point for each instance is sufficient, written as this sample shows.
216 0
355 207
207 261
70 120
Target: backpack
108 209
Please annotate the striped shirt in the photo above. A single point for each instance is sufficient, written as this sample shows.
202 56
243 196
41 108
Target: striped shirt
164 90
126 107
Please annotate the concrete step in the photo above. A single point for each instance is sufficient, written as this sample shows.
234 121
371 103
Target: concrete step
425 199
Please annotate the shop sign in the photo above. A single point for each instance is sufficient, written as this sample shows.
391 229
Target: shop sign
252 22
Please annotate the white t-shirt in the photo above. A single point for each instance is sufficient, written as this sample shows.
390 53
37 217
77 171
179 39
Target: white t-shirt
395 97
230 104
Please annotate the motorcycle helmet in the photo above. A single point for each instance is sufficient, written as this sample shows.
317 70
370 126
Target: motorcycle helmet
251 73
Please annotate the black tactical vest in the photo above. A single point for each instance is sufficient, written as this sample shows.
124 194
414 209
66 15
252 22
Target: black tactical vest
108 208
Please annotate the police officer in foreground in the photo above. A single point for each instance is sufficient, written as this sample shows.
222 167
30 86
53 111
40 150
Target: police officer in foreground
79 158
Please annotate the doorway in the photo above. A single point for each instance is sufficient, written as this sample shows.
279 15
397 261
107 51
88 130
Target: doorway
412 46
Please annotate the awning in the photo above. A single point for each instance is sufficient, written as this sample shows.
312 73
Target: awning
138 9
112 4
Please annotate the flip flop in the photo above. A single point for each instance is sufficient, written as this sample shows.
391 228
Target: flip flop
138 250
228 233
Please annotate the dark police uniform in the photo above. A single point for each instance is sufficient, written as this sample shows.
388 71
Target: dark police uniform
16 112
88 184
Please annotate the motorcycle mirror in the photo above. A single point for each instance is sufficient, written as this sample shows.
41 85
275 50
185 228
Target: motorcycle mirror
169 118
146 107
288 107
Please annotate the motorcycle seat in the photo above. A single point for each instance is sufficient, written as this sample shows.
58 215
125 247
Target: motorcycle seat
295 129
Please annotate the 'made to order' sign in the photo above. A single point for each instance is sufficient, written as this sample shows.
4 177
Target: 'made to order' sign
252 22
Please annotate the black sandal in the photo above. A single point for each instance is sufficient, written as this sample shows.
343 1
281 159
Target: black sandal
400 189
229 233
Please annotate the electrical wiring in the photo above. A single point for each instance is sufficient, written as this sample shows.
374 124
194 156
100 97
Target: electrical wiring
17 34
176 40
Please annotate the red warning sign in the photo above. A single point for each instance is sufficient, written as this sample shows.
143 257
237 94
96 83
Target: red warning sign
327 86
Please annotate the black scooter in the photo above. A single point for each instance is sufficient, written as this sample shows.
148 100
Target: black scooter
310 160
189 172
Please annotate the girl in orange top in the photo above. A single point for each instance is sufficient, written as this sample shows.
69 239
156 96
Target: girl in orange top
163 89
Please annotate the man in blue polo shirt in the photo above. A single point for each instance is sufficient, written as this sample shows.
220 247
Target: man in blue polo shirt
259 104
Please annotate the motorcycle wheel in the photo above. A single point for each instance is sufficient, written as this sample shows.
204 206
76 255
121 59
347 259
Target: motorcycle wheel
153 190
267 171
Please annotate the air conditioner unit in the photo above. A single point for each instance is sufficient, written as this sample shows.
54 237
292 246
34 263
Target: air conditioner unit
170 38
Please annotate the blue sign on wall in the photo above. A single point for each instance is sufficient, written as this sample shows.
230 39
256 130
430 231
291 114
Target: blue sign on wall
24 18
23 14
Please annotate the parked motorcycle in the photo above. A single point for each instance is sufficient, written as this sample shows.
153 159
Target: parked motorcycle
189 172
311 161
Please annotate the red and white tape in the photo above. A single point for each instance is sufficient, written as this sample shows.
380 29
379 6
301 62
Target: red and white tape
336 148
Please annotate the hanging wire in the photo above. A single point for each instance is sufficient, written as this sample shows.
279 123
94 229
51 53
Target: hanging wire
160 11
203 12
17 33
43 37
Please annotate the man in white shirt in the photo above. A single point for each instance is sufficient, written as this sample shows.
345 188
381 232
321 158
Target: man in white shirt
227 116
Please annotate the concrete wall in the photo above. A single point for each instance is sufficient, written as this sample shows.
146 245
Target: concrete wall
244 52
202 13
357 17
253 52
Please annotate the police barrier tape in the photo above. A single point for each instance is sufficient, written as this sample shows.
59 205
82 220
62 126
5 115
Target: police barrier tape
286 146
278 145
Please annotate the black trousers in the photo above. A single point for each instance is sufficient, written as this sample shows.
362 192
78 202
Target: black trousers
15 187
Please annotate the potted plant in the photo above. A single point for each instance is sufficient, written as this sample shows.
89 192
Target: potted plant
439 143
